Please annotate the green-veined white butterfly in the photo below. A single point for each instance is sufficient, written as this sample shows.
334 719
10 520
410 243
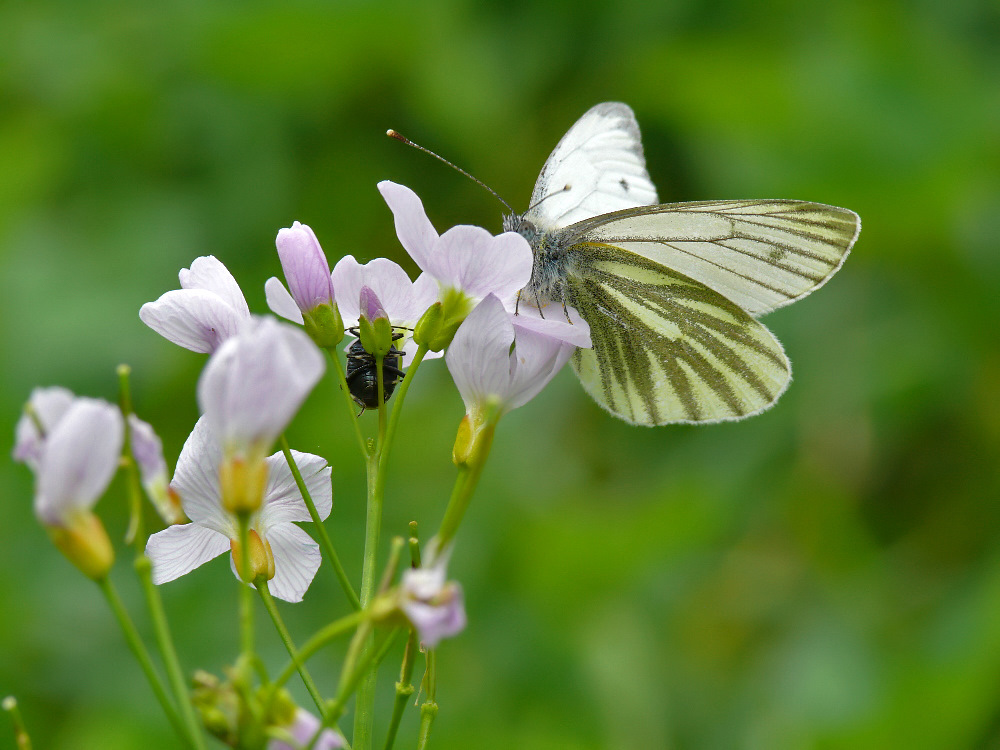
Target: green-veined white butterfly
672 292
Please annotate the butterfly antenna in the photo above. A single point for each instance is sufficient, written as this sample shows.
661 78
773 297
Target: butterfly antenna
393 134
564 189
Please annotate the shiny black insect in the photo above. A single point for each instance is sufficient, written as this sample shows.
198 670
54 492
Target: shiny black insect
362 373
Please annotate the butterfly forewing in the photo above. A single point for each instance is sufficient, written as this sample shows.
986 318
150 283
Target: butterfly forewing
666 348
761 255
598 166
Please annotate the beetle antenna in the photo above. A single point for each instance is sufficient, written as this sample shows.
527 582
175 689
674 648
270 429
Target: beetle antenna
393 134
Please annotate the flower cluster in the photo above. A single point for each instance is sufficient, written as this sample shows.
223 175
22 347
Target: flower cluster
229 492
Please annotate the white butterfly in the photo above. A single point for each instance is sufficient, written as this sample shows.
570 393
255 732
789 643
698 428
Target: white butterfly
671 291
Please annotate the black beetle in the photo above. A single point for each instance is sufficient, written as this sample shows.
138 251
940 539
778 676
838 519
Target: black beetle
362 373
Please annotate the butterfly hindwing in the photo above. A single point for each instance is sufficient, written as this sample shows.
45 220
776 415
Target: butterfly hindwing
760 254
598 166
666 348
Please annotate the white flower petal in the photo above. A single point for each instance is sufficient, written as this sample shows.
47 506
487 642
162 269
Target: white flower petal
209 273
283 502
49 406
415 231
554 325
473 260
180 549
196 319
296 560
478 357
253 385
80 457
348 278
302 730
280 301
196 480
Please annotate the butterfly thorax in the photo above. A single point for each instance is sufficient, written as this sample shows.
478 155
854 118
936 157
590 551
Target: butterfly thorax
548 272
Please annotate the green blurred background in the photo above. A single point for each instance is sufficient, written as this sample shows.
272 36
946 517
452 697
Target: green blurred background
826 575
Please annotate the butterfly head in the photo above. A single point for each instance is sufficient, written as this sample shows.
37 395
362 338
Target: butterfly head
518 223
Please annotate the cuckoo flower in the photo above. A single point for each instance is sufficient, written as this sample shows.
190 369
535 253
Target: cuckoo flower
148 453
403 301
301 732
499 365
44 409
307 271
280 551
249 392
78 458
434 606
208 308
468 262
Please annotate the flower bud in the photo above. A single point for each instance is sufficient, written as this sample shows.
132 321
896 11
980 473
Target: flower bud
324 325
242 483
85 543
374 326
261 558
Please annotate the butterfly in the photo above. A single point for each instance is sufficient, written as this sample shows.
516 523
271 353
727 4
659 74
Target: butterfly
671 292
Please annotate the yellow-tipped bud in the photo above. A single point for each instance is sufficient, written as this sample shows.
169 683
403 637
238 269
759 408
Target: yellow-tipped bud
261 557
473 440
242 482
85 543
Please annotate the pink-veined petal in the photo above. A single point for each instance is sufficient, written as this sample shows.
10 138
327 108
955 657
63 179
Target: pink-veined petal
415 231
80 457
196 319
49 405
280 301
554 325
478 357
196 480
253 385
306 268
473 260
209 273
296 560
180 549
283 502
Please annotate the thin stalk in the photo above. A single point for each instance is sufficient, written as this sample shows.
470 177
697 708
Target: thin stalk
324 538
376 467
429 708
168 652
404 689
320 639
286 638
246 594
142 655
21 736
134 534
348 401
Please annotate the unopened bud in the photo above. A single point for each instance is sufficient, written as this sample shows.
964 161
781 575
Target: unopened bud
324 325
242 483
85 543
473 440
261 557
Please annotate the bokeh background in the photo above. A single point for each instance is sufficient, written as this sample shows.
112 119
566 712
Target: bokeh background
826 575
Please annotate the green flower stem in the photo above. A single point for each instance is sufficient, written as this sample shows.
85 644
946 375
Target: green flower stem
376 472
404 689
348 401
246 594
21 736
349 679
320 639
168 652
279 625
324 538
429 708
142 655
134 534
